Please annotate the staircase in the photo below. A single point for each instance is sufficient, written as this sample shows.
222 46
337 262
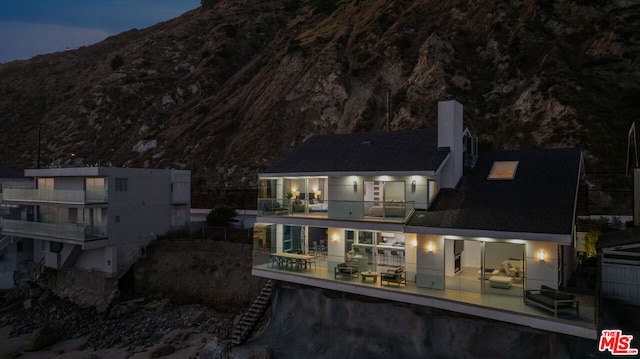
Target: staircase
41 272
250 318
7 242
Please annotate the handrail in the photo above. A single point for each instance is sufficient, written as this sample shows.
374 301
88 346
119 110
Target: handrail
56 196
388 211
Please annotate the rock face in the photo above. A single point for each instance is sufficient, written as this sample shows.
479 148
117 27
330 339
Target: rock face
309 322
227 88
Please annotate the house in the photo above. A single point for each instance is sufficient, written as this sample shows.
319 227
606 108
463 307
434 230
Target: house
94 219
15 254
619 262
633 170
424 218
619 251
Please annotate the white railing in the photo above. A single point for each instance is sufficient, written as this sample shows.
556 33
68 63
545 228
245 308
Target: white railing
56 196
74 231
7 242
389 211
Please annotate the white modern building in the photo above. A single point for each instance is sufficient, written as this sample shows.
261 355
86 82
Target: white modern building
15 253
96 219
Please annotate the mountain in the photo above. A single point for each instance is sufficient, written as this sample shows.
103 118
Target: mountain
227 88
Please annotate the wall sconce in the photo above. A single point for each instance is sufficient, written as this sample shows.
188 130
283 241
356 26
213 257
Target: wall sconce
541 255
430 247
355 186
335 237
413 186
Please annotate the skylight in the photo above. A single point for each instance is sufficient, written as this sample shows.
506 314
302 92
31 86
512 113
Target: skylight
503 170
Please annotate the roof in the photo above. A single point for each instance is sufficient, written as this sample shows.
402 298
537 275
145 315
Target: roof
618 238
540 199
389 152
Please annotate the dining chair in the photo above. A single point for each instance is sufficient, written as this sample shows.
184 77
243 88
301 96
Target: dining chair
396 257
382 257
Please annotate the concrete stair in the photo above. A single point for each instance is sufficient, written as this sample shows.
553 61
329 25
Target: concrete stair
41 272
247 323
7 242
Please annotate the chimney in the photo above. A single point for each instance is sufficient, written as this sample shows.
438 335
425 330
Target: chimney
450 136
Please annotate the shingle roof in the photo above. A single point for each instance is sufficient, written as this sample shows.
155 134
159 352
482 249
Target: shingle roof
540 199
401 151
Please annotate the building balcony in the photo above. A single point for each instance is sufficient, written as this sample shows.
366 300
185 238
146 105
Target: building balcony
54 196
70 232
390 211
500 307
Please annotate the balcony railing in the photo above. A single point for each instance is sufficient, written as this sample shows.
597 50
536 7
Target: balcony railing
73 231
390 211
54 196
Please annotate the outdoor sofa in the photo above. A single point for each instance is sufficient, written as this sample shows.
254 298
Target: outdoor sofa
396 275
553 300
348 271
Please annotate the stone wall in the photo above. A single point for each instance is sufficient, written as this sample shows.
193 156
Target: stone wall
85 288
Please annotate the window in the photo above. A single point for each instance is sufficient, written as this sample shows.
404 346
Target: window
45 183
503 170
94 184
121 185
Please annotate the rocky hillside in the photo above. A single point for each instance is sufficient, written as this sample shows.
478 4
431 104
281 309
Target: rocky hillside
227 88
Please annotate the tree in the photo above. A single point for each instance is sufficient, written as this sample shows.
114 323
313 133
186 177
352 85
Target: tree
221 215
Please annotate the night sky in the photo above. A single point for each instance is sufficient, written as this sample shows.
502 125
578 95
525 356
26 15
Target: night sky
32 27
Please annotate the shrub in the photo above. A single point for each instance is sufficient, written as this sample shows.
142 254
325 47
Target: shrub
116 62
221 215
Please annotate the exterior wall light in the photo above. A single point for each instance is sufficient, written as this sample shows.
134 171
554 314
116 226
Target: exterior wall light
413 186
541 255
335 237
430 247
355 186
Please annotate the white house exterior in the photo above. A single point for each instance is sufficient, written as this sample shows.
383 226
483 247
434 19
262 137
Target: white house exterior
405 199
15 254
96 218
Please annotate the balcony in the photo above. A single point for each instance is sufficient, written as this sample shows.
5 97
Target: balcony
390 211
54 196
505 308
70 231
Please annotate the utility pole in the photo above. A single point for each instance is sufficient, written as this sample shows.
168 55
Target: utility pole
38 155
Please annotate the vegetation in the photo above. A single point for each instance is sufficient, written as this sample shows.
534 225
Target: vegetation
117 62
324 6
594 227
221 215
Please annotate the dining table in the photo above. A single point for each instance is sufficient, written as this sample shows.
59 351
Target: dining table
295 260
